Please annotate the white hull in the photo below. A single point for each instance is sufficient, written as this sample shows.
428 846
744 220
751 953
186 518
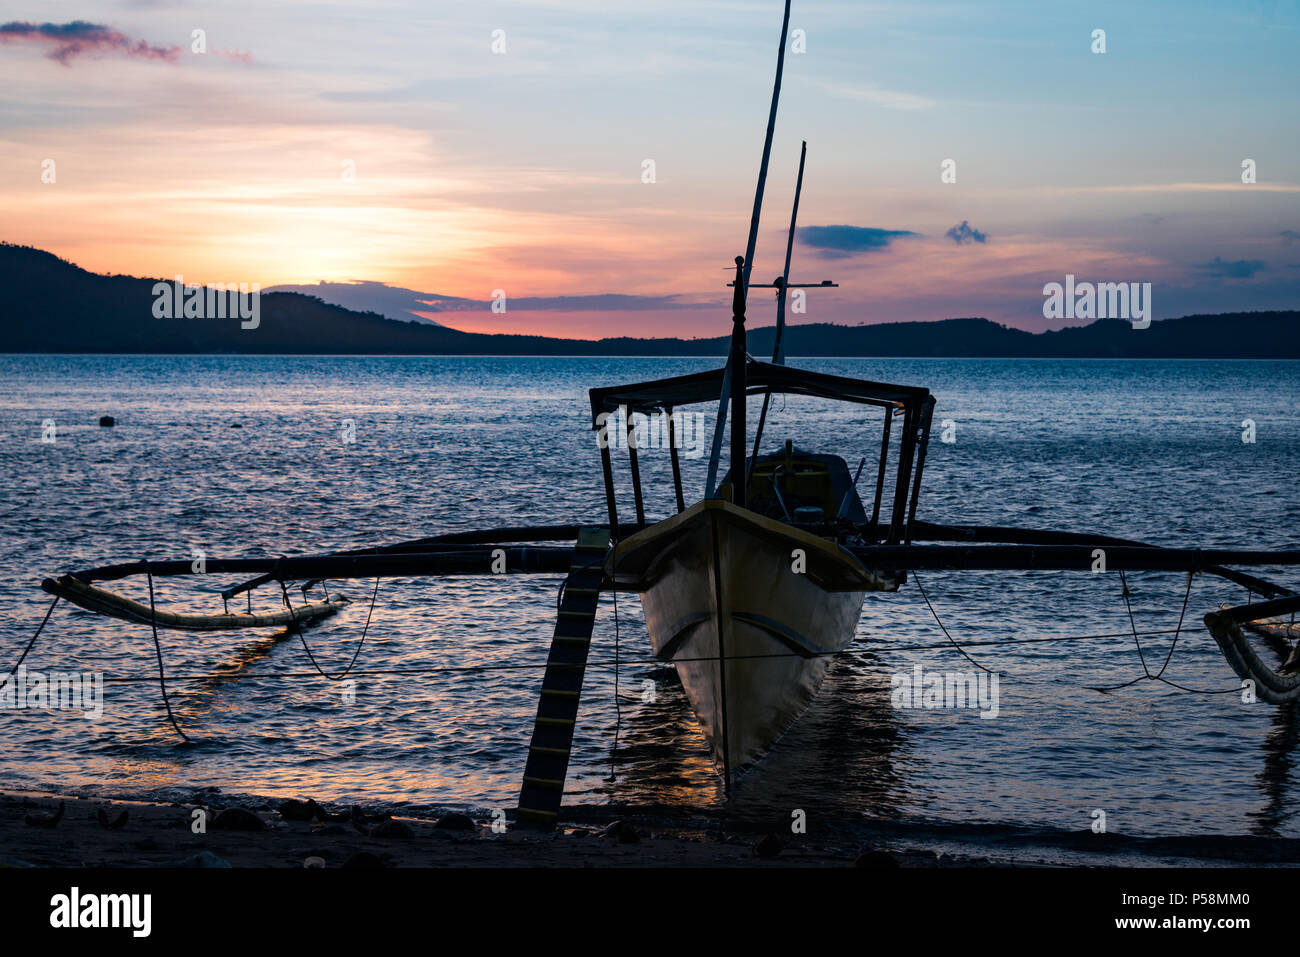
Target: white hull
718 582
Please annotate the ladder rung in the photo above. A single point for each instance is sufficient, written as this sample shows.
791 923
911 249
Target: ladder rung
544 782
565 722
561 752
537 811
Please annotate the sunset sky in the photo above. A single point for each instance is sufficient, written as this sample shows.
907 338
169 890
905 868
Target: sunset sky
522 170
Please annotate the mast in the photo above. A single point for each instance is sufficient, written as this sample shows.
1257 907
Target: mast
716 453
739 472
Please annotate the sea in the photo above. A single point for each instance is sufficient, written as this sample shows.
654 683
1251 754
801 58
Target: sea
228 456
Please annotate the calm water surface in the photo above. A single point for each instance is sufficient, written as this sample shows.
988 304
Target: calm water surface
1148 450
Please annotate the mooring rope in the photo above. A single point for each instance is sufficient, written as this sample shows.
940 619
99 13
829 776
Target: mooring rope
23 657
937 621
1146 672
618 661
459 669
1145 676
297 627
1124 593
618 705
157 647
1187 594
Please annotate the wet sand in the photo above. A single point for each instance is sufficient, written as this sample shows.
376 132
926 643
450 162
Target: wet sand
157 834
161 835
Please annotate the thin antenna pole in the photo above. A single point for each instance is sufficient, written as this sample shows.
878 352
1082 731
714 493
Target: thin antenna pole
778 351
716 454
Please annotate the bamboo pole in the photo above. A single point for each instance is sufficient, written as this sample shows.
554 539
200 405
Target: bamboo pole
715 456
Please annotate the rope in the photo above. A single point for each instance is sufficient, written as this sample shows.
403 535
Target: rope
23 657
618 661
1159 675
1133 624
284 592
921 588
618 706
157 647
1146 676
1177 631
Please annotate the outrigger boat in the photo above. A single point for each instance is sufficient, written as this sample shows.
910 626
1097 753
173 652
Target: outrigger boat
749 591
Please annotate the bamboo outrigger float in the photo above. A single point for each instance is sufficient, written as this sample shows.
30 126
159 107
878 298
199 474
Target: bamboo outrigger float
753 588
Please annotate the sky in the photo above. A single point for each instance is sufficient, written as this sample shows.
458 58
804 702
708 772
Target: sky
389 142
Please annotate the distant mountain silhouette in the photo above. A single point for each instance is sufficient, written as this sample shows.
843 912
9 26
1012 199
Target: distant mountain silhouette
51 305
391 302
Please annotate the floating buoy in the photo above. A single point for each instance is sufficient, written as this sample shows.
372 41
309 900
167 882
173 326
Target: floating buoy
107 421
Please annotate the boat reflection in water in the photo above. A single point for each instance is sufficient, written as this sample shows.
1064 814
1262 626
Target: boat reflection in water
838 760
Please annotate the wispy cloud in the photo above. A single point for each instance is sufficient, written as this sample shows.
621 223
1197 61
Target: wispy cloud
1229 186
839 242
66 41
965 233
870 93
1236 269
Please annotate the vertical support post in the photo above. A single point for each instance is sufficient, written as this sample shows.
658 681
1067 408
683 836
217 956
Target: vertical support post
672 454
906 454
880 476
739 462
926 413
607 467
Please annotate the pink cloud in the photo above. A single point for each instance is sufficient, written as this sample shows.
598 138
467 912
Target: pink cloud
69 40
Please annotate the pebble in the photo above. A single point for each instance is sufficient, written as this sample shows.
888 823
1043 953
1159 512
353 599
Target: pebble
623 832
456 822
238 819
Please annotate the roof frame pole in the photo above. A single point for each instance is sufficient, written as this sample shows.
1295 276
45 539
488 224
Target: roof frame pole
927 412
739 470
884 466
636 470
716 455
672 454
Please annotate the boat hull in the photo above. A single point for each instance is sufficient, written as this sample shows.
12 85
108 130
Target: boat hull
750 610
